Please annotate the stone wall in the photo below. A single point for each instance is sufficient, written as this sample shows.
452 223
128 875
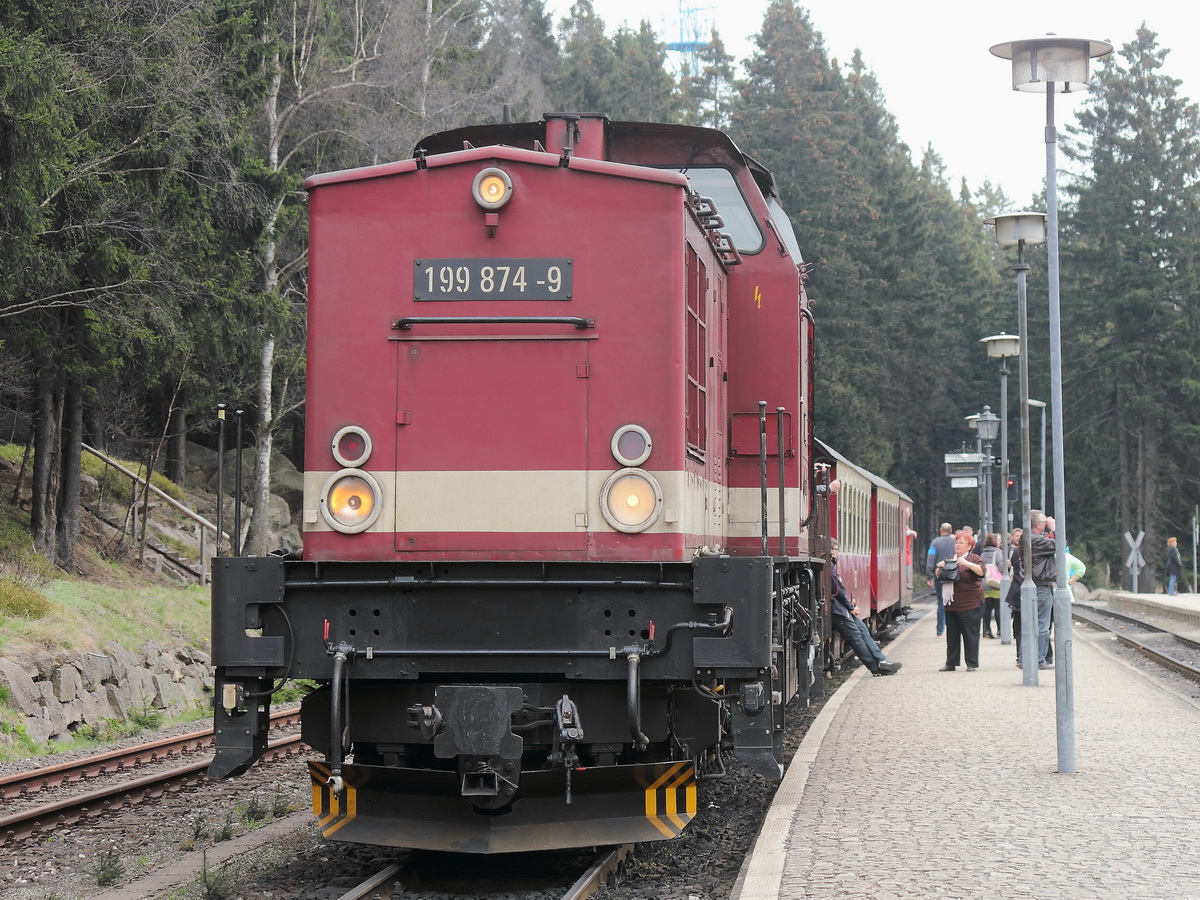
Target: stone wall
54 694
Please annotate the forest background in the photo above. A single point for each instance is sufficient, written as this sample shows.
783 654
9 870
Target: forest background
152 234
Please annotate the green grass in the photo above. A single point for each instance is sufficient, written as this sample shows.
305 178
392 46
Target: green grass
134 614
43 607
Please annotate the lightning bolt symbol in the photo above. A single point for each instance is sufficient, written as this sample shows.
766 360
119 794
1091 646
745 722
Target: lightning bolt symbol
757 297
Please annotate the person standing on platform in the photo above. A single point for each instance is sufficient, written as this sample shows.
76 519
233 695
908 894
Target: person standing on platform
854 630
992 555
942 548
1045 576
1174 565
964 611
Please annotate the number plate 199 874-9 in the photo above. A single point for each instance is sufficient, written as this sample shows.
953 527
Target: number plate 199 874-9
492 279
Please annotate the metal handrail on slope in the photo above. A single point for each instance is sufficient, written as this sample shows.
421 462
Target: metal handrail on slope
205 525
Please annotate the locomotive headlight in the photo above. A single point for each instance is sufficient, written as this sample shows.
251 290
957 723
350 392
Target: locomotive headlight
631 445
350 501
351 446
492 188
631 500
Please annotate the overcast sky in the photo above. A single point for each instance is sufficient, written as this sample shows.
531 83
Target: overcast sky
932 61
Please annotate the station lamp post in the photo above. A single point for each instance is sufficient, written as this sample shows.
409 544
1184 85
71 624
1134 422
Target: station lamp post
1051 65
971 420
988 426
1002 346
1019 229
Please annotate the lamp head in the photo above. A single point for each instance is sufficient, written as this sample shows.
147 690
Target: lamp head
1002 345
1013 228
1051 62
988 425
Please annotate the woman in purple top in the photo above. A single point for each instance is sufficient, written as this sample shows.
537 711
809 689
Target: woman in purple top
964 613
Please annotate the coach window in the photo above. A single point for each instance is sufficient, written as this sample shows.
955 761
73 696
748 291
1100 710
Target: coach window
740 222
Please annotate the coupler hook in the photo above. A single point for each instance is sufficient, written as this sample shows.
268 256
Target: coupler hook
569 733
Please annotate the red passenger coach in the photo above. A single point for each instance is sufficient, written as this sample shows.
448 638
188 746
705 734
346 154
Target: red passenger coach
871 520
561 549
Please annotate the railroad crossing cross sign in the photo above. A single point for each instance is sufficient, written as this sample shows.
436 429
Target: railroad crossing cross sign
1135 560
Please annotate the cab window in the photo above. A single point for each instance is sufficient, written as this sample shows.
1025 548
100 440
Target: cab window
740 222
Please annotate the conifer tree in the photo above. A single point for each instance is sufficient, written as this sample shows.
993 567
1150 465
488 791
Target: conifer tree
1131 358
899 268
642 88
706 95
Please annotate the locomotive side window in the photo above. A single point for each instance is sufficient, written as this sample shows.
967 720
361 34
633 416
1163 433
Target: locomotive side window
784 226
740 222
697 355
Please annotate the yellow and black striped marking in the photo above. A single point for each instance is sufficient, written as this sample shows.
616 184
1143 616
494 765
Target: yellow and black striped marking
332 811
671 799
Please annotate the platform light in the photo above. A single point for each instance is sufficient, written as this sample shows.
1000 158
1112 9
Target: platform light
1051 65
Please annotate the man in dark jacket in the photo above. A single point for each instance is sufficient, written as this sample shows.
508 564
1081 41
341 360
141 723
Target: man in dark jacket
1045 577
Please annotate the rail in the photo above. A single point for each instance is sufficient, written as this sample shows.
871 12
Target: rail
1169 656
39 820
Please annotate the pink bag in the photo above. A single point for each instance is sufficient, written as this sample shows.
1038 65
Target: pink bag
992 577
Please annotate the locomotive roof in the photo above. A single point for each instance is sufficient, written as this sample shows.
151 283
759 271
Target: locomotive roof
633 143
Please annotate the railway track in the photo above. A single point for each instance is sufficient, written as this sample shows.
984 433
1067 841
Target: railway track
38 818
417 868
1167 648
591 880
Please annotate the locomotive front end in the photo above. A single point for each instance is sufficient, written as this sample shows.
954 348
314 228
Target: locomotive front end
514 594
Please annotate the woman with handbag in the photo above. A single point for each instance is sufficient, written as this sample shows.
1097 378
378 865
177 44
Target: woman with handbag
964 612
993 559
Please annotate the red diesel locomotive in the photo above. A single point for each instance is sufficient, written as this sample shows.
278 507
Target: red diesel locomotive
563 526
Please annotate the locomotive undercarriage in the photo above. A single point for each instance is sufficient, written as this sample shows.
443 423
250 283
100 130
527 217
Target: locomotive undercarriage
485 707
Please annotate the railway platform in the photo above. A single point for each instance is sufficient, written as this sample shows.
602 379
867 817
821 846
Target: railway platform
933 784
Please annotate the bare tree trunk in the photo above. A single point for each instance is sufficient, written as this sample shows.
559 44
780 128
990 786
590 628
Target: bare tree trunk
67 524
152 464
45 452
259 539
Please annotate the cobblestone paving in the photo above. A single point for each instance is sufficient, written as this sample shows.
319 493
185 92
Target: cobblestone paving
936 784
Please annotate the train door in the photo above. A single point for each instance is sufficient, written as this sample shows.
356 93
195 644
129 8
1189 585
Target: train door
491 443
